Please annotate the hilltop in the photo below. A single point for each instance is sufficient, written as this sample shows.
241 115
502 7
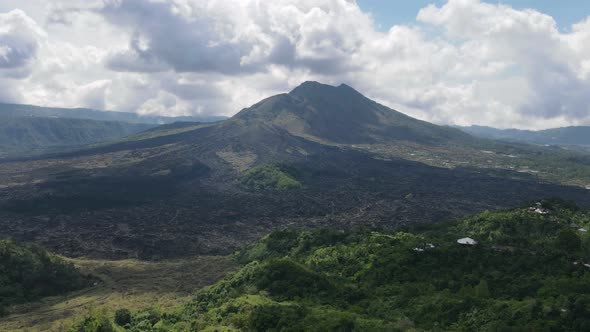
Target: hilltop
342 115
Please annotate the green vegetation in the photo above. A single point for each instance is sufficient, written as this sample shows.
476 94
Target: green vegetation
36 134
119 284
268 176
28 272
524 275
555 164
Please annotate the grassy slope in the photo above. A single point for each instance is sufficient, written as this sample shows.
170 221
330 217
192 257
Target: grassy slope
128 283
521 276
28 272
268 177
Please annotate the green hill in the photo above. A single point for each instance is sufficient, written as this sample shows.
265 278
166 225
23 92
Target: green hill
268 176
28 272
529 271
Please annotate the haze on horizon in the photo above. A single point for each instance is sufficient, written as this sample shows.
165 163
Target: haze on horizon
455 62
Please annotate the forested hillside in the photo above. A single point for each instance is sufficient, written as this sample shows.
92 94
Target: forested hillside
525 270
20 110
36 134
28 272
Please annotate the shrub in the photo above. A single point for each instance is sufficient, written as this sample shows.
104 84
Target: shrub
122 317
267 176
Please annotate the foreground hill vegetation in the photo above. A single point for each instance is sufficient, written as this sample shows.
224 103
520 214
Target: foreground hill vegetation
28 272
529 271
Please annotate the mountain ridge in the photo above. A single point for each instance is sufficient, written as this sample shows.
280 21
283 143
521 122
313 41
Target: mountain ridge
24 110
341 114
26 136
570 135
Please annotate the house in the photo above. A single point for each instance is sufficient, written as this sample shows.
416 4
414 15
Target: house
467 241
539 210
425 247
583 230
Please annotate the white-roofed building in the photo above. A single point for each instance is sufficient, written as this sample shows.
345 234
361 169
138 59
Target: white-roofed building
467 241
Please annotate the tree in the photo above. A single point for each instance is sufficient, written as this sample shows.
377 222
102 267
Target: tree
482 290
122 317
568 240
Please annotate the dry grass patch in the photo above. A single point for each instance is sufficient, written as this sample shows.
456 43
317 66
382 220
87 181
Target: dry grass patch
128 284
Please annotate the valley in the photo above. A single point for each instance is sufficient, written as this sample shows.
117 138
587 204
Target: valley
133 284
157 215
294 166
179 190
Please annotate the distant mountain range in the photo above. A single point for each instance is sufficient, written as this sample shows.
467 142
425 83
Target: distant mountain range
556 136
18 110
41 135
319 155
26 129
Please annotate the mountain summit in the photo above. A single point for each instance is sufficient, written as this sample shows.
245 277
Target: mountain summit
342 115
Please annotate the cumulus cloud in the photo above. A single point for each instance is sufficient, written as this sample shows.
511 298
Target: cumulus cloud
532 46
19 42
236 37
464 62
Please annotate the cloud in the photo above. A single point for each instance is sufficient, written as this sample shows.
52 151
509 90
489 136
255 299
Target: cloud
236 37
19 42
166 35
463 62
531 47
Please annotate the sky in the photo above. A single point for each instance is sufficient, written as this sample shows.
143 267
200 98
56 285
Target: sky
387 13
515 63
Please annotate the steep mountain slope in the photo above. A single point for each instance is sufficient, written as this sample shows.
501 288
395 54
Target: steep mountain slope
20 135
555 136
318 156
342 115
